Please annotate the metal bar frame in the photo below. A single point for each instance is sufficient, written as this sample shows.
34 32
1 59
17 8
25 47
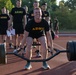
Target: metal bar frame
41 60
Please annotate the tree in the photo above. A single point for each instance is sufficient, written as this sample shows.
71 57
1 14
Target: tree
13 2
6 3
71 4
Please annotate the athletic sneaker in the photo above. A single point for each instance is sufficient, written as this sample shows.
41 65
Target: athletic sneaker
45 66
28 66
37 53
11 46
15 51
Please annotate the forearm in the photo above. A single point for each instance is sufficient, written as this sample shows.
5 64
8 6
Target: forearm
22 42
24 39
25 21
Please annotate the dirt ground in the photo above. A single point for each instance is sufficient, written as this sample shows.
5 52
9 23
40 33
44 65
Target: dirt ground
59 64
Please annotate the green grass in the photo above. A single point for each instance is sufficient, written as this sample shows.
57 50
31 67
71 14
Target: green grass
67 31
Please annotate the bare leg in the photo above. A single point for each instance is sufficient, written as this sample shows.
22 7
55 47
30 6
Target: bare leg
14 41
43 42
1 38
29 42
45 51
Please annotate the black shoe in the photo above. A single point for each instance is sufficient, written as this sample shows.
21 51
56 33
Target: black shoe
37 53
11 46
14 47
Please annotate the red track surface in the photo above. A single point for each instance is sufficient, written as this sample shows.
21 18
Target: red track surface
59 64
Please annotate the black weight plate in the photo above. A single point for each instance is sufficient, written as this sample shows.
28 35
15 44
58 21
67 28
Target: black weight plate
3 57
70 48
74 50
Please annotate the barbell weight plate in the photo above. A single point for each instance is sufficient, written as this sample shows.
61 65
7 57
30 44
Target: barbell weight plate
3 57
74 50
71 49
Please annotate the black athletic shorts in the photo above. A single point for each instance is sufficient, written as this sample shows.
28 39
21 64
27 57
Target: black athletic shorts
3 30
18 28
35 37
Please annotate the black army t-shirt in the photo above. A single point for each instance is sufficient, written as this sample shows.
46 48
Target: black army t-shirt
45 14
3 23
37 30
18 14
31 15
4 20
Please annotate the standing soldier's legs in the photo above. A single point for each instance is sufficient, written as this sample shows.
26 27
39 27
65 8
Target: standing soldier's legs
20 36
14 40
1 38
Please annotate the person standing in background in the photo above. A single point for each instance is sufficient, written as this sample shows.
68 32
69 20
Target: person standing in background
18 17
31 16
46 16
4 20
56 27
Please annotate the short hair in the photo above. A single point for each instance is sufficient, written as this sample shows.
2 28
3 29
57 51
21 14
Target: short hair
36 1
3 7
44 3
19 0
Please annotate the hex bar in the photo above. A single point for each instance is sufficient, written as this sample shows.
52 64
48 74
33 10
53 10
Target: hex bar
37 60
9 53
61 50
41 60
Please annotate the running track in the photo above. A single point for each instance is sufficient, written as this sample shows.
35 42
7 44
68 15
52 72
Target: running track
59 64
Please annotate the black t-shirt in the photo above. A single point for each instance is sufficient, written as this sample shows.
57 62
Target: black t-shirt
37 30
31 15
18 14
4 20
45 14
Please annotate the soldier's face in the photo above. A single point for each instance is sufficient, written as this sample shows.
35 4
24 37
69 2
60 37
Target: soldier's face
37 13
4 10
18 3
36 4
44 7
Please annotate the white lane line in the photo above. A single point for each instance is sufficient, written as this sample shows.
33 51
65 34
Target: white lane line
59 46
